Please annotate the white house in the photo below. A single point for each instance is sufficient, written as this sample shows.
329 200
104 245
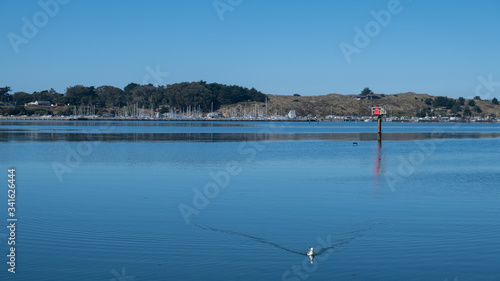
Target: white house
39 103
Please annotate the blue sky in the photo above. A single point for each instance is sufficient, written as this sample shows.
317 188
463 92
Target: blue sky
278 47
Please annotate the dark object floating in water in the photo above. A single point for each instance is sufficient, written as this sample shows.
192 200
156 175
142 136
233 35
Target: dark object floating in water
354 143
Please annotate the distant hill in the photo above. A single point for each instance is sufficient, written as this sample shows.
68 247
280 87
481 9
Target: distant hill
404 104
233 100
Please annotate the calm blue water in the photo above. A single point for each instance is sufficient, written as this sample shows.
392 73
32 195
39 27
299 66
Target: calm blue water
188 208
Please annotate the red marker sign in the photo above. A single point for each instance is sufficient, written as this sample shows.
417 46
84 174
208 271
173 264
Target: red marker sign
376 112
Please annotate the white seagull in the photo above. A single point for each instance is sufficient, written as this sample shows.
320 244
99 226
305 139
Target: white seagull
310 254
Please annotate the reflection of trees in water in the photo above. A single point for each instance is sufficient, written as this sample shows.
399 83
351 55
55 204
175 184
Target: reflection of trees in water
27 135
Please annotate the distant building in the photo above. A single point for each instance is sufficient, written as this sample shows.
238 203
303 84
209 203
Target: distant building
39 103
368 97
214 115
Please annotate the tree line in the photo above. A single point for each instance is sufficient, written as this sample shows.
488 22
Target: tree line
207 96
467 107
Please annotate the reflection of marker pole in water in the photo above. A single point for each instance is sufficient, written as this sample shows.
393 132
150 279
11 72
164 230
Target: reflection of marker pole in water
376 168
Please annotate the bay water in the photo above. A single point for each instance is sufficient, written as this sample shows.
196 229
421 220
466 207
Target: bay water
246 200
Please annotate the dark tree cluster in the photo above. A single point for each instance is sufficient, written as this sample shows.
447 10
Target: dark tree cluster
444 102
23 97
202 94
366 92
456 105
21 110
4 94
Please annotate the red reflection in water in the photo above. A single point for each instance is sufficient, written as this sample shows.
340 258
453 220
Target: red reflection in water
377 168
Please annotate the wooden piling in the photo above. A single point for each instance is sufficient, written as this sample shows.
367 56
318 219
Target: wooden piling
379 121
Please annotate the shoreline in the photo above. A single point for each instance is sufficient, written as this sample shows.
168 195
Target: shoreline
343 119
